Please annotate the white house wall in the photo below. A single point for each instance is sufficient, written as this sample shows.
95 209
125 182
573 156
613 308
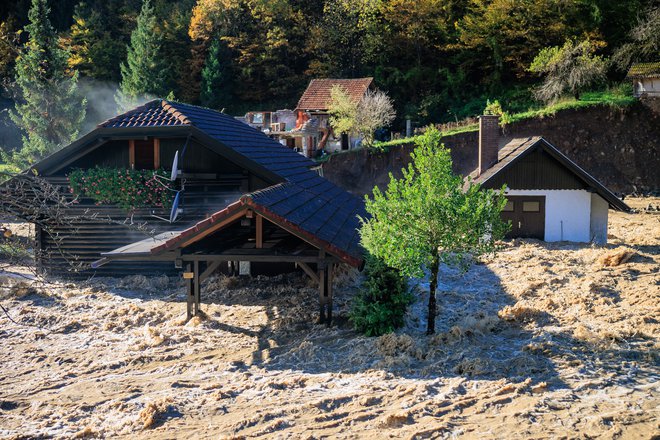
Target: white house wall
647 86
599 211
567 213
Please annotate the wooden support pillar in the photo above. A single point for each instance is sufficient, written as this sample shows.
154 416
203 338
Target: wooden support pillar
156 153
188 276
325 290
131 154
260 231
197 288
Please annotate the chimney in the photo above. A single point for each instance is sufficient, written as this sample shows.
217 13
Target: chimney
489 133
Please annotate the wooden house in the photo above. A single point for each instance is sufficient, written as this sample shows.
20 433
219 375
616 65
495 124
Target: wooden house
248 202
312 131
549 196
646 79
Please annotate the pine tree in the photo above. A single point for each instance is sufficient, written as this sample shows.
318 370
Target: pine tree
216 77
145 70
49 109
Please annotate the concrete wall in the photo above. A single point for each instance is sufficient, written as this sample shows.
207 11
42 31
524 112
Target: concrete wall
598 222
647 86
567 213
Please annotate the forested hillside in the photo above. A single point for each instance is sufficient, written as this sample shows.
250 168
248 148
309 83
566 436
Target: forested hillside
440 60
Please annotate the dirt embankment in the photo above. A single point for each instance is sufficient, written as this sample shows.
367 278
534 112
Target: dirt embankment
618 146
541 341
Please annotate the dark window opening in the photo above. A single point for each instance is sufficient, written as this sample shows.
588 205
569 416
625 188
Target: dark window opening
144 155
344 141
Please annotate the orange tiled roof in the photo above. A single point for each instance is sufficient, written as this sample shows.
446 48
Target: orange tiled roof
317 95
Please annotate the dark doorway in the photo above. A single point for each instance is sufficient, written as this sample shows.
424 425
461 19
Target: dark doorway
344 141
144 155
527 216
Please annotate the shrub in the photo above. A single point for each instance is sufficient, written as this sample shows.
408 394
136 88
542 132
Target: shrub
495 108
128 189
380 306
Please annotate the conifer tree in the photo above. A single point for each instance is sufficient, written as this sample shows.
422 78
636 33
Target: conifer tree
145 70
216 77
49 108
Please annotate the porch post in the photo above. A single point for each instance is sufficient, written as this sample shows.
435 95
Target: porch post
322 291
328 293
197 288
191 294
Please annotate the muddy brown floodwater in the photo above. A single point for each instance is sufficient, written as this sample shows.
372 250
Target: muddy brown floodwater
541 341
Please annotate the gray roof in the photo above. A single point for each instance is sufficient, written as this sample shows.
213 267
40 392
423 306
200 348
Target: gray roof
519 147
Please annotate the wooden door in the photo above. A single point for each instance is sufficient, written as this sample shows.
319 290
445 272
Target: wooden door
527 216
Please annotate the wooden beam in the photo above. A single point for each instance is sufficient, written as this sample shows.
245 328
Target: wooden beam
156 153
213 228
251 258
213 265
131 154
309 272
260 231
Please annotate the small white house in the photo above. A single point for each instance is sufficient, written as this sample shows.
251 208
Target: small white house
646 79
549 196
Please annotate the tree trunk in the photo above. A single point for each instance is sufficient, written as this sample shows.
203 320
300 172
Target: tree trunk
430 328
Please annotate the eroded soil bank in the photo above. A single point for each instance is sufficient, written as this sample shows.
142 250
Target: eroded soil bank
541 341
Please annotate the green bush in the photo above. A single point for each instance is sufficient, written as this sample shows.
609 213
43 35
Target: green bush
128 189
381 304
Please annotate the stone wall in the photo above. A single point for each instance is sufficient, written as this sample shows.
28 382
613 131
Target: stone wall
618 146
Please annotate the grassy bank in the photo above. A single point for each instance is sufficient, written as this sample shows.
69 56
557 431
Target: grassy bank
620 96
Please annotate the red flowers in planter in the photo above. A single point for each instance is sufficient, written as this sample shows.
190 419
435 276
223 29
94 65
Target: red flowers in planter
129 189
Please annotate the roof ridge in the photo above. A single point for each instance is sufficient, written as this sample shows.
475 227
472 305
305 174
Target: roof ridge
169 106
134 110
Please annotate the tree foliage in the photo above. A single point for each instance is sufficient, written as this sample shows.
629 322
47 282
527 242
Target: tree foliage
430 217
643 43
216 77
373 111
145 71
381 304
570 68
49 108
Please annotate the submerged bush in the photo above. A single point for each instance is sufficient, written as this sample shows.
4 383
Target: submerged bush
380 306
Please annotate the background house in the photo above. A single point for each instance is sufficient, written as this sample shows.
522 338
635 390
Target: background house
313 131
549 196
646 79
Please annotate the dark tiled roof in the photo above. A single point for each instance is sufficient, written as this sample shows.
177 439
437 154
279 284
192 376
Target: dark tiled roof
517 148
155 113
305 203
240 137
312 208
644 70
317 95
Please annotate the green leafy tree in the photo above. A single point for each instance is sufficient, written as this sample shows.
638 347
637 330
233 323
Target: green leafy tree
644 41
373 111
145 71
93 49
381 304
430 216
343 111
49 107
216 77
570 68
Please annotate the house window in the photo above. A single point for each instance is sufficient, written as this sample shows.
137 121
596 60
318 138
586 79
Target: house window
144 154
531 207
508 207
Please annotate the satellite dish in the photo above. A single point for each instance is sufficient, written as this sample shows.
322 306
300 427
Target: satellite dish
174 213
175 166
